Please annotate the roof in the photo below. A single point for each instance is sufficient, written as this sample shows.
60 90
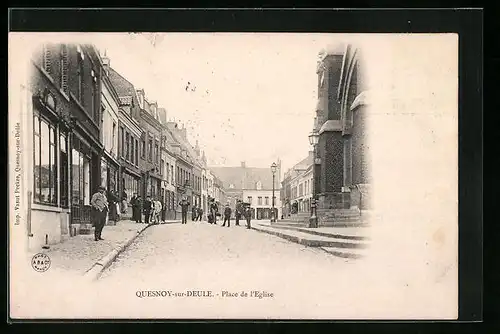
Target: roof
179 138
245 177
126 100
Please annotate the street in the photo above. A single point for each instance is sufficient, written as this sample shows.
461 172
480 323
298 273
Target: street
199 253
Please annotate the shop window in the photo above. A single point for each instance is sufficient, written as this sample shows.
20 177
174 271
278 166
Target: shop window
64 179
45 168
81 175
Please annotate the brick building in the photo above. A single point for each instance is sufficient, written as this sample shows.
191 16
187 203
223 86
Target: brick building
342 176
129 133
62 151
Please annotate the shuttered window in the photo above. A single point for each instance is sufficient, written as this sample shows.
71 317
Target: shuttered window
47 58
64 68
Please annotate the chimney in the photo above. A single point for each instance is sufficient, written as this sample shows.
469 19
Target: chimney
162 113
106 63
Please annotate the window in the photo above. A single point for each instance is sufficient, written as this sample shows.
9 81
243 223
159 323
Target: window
168 173
45 168
143 148
136 152
177 175
120 142
64 68
94 108
80 175
150 150
113 136
80 79
162 165
132 152
259 200
250 200
127 146
63 181
47 58
267 200
157 154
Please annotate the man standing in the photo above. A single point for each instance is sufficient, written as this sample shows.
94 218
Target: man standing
184 209
248 216
147 209
137 209
99 204
200 214
194 213
239 211
214 210
227 216
158 209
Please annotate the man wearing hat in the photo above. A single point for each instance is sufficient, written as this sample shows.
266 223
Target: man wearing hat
99 204
239 212
184 204
227 215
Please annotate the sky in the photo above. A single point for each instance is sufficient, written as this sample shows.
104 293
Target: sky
244 97
249 97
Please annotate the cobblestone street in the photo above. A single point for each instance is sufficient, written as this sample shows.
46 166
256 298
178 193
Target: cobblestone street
205 253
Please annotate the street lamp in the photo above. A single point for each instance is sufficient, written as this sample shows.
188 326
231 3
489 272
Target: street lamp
273 170
313 140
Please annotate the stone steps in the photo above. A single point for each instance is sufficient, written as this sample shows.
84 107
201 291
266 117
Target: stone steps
314 231
333 243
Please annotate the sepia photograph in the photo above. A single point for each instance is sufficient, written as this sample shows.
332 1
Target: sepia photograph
233 176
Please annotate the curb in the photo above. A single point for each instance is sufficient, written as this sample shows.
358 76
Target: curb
97 268
342 249
321 234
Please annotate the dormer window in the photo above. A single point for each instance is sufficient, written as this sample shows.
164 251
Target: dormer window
231 186
258 185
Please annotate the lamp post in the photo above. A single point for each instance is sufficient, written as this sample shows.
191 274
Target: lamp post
273 170
313 140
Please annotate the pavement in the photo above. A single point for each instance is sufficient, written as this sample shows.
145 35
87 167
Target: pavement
78 255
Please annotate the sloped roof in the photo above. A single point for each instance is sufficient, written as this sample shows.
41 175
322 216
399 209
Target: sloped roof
245 177
126 100
179 138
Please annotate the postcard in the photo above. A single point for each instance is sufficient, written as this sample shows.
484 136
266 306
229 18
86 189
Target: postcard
233 176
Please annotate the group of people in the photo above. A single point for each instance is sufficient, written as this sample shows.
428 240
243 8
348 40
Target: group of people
154 213
152 209
241 211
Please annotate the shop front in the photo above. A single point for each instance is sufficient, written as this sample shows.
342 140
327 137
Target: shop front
85 170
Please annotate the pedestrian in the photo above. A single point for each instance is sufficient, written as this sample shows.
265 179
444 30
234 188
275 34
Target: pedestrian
99 205
158 209
194 213
200 214
137 209
248 216
184 209
147 209
124 202
239 211
227 216
214 210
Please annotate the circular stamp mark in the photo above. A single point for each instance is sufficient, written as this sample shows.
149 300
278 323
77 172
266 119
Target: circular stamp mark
40 262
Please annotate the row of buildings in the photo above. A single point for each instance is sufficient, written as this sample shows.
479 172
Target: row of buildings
335 175
84 125
253 185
